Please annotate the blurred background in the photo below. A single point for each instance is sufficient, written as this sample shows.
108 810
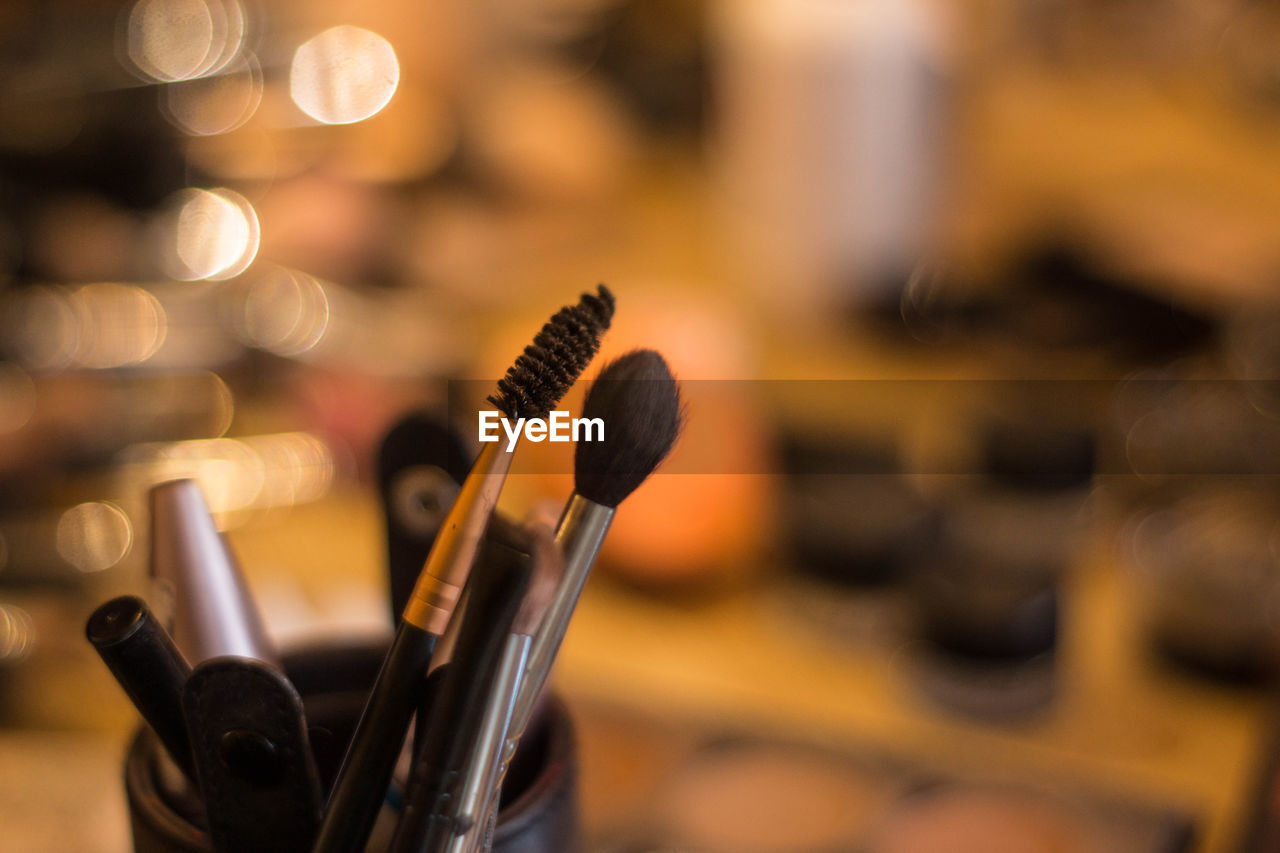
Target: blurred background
970 543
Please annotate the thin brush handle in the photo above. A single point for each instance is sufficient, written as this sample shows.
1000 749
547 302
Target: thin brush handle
366 770
580 535
452 729
481 774
362 781
143 658
436 593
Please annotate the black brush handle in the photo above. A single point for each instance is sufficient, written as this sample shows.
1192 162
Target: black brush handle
493 595
249 740
146 663
361 785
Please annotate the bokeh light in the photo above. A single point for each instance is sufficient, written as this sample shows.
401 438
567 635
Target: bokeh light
101 325
285 312
216 104
94 536
119 325
239 475
344 75
298 468
215 235
169 40
17 633
42 329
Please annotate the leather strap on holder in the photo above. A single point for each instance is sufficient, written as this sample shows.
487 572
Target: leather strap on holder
252 756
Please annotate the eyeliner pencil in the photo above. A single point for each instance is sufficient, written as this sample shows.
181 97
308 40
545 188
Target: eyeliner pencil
143 658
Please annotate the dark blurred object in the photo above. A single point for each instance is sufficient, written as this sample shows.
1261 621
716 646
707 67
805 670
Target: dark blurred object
1059 295
850 517
1208 575
141 655
1175 425
1261 829
214 612
654 51
988 600
258 779
1056 295
989 589
539 806
1037 450
74 126
422 462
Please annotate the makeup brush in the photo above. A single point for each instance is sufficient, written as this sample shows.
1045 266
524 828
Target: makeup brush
478 779
214 614
495 592
638 399
534 383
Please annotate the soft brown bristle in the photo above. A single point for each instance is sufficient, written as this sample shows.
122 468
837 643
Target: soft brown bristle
548 566
638 399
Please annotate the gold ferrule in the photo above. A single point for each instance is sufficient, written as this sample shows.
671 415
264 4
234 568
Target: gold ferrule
436 593
432 603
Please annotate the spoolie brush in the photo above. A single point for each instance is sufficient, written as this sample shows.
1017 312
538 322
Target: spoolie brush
559 353
535 383
638 400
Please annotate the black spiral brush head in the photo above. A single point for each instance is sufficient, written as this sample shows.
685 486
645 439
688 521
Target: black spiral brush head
560 352
639 401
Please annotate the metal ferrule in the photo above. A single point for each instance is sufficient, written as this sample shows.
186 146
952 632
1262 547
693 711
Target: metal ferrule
580 534
445 572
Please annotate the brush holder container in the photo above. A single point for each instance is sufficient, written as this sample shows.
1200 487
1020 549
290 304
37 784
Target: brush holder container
539 809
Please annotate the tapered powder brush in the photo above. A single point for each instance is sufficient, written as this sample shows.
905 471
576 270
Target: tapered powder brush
638 399
536 381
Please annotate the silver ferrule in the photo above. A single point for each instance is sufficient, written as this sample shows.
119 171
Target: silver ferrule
580 534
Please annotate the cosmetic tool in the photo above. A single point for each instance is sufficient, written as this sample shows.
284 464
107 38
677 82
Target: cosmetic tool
422 462
534 383
214 614
638 399
148 666
477 794
252 755
494 594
